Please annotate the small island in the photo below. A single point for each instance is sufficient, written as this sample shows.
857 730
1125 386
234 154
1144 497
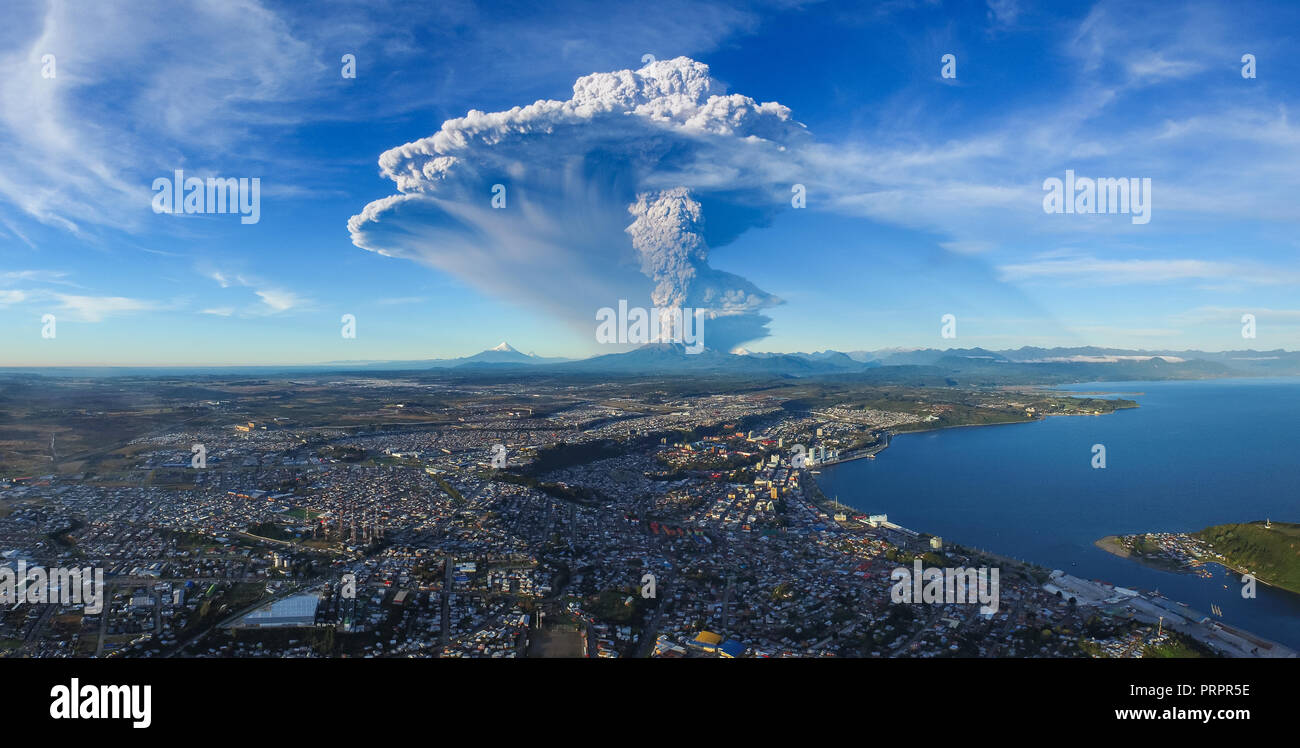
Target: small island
1268 550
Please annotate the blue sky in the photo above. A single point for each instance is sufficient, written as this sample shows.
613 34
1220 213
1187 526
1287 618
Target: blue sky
924 193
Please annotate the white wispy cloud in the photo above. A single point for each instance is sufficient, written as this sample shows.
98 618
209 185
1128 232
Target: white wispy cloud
97 308
1099 271
272 298
79 159
35 276
1003 13
278 300
1232 314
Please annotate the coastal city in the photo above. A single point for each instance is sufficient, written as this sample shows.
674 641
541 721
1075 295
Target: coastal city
951 345
438 517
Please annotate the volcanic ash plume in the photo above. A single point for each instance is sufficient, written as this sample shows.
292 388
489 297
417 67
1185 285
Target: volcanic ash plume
666 236
694 166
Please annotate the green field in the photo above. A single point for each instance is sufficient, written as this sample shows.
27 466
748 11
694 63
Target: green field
1272 554
1177 647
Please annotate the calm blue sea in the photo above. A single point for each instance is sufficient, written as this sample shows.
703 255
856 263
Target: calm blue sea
1193 454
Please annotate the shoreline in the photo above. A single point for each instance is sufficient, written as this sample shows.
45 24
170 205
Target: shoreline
1111 545
1108 543
891 433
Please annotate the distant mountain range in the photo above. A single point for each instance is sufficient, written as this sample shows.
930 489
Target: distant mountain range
503 354
916 366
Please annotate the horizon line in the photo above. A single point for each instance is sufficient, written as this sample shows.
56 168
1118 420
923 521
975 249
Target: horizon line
371 362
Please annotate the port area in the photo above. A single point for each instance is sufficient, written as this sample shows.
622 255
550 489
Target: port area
1150 607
